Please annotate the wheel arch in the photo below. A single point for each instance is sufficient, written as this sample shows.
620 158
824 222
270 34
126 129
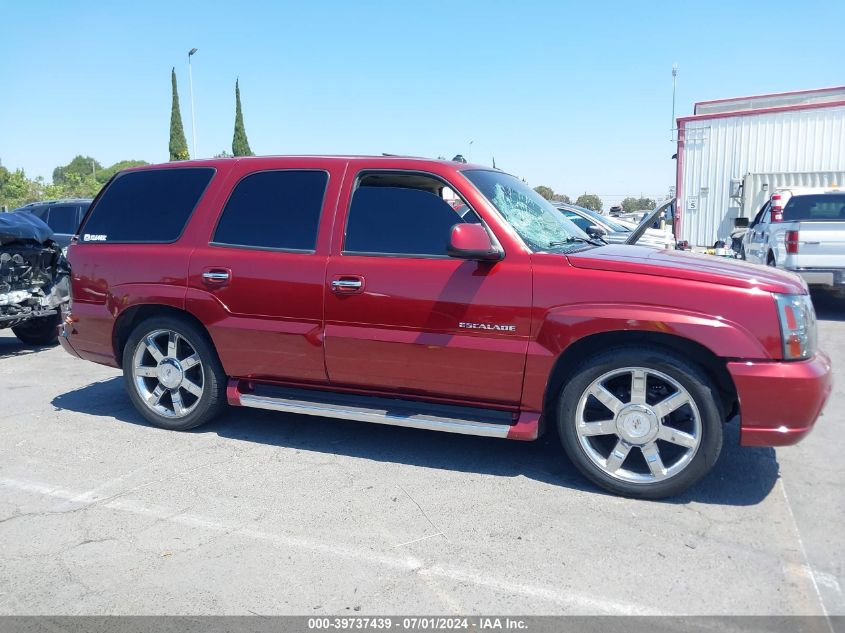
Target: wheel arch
132 316
570 358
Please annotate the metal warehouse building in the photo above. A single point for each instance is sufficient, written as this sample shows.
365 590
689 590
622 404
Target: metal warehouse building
788 138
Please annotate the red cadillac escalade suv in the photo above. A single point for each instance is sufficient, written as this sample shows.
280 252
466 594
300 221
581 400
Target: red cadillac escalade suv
435 295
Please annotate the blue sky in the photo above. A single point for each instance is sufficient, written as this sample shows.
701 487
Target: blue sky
574 95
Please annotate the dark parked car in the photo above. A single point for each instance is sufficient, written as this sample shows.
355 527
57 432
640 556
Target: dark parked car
62 216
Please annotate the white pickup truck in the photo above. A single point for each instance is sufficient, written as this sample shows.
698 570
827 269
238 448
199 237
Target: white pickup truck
802 230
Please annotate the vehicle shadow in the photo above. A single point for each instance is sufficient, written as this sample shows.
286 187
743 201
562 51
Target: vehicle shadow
742 476
11 346
829 306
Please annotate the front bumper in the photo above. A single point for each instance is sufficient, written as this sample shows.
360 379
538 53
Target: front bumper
779 402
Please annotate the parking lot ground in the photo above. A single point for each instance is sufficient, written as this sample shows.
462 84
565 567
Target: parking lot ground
276 514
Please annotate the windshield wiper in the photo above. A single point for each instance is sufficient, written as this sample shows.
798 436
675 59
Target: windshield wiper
573 239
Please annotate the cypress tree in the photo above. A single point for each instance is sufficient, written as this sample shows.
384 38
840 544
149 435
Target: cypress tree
240 144
178 144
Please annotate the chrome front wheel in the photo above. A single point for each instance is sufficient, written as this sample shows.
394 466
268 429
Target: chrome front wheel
638 425
168 374
641 421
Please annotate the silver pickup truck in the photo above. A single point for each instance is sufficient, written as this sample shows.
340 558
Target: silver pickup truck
802 230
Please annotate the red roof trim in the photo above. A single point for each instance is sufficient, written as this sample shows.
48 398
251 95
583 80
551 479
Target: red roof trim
728 115
773 94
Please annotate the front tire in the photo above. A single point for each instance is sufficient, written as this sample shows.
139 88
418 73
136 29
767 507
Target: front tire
640 422
172 373
41 331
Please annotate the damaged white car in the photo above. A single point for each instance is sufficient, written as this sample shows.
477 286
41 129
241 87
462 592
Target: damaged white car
34 279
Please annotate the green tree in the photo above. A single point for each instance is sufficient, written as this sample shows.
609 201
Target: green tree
561 197
178 144
545 191
631 204
106 173
80 166
240 144
589 201
73 186
17 190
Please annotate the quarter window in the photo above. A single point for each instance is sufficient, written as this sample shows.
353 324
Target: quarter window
403 214
150 206
274 210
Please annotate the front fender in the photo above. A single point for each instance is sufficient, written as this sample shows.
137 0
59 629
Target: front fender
563 326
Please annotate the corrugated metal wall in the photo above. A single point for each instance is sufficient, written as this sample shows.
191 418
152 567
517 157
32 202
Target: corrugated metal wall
720 149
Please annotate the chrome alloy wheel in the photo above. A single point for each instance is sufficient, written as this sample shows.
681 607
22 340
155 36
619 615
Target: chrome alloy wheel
167 373
638 425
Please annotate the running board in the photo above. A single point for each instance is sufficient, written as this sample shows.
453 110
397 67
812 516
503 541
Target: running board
391 411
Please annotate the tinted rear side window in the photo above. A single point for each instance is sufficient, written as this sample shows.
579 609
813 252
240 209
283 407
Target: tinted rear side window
274 210
146 206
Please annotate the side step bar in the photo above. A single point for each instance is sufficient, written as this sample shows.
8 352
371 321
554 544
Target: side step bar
392 411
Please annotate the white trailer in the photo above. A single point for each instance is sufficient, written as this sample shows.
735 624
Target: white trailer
727 139
756 189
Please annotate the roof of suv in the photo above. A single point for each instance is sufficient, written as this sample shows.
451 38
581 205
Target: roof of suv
412 160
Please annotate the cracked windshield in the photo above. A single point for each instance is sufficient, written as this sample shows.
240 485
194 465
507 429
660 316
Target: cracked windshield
538 223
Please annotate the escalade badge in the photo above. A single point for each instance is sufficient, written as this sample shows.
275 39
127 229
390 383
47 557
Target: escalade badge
487 326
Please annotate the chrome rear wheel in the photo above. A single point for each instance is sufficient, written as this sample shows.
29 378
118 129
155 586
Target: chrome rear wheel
168 374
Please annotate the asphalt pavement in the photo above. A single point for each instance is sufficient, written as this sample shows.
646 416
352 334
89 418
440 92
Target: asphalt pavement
267 513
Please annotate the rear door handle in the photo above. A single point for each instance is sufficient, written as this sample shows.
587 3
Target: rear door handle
347 284
216 277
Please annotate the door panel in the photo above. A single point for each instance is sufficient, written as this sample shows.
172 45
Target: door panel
266 320
257 281
403 331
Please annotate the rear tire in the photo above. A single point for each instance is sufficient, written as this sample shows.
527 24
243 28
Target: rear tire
640 422
172 373
41 331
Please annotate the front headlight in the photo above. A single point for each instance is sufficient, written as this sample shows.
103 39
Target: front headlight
797 325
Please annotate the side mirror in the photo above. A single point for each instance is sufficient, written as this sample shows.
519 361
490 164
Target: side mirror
596 231
471 241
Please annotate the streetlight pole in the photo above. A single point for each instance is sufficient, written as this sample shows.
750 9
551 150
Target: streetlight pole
674 79
193 116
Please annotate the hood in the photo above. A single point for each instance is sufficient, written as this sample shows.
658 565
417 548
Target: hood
685 265
22 226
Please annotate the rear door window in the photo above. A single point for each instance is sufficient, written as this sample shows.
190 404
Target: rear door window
63 219
151 206
277 210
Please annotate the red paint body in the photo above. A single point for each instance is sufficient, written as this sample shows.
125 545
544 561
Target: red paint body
277 319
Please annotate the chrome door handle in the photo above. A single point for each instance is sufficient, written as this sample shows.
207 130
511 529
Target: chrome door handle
215 276
346 284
